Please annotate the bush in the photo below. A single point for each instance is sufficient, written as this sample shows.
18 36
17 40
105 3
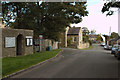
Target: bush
90 42
69 41
85 39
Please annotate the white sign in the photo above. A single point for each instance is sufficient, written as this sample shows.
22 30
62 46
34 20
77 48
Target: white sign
29 40
9 41
29 37
41 36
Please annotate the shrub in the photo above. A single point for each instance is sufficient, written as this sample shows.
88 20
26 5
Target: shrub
90 42
69 40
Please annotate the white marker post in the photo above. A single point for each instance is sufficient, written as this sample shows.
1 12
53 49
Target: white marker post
40 44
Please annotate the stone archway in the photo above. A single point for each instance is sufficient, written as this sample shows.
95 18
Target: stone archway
20 45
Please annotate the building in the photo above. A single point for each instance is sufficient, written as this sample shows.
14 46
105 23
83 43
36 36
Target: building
73 38
15 42
93 38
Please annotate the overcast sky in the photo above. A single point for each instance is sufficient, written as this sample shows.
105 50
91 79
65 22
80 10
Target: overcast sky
97 20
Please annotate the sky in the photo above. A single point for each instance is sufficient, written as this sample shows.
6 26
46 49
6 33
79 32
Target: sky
97 20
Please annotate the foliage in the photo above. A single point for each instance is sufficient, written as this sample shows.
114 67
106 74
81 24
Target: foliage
85 38
108 6
93 31
90 42
114 35
13 64
85 32
98 38
69 40
48 18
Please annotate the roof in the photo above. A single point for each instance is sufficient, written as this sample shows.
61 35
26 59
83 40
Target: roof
74 31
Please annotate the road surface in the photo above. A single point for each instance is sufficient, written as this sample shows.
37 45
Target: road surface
74 63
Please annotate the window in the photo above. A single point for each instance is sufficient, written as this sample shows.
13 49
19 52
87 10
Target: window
75 39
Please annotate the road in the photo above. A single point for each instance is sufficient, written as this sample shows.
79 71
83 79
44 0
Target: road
74 63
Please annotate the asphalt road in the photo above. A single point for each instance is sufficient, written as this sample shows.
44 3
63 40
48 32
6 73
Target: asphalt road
74 63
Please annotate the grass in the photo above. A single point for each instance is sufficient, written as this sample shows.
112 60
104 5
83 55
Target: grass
87 48
0 67
13 64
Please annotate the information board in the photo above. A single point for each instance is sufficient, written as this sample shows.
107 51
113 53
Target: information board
9 41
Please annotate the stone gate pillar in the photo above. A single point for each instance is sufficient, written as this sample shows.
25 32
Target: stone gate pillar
66 36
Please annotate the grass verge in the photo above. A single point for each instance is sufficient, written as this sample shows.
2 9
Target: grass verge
14 64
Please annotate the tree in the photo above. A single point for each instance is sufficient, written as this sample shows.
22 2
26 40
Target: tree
85 38
93 31
114 35
108 6
98 38
85 32
48 19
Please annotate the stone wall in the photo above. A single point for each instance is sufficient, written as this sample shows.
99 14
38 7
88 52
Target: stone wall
62 40
11 52
80 37
55 45
83 45
28 49
48 42
66 36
